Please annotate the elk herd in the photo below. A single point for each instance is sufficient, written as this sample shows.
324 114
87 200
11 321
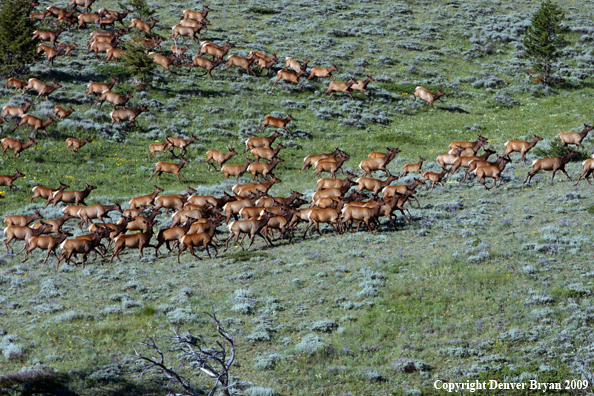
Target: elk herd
251 210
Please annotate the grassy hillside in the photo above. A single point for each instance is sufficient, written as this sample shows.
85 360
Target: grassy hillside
479 285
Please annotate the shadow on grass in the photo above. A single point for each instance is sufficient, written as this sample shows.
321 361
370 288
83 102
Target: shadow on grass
453 110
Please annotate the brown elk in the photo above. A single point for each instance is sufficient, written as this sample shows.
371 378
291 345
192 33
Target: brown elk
219 157
362 214
155 148
480 163
434 177
371 165
14 111
215 202
46 192
113 53
243 190
120 116
474 145
236 170
276 122
265 142
341 87
44 35
142 26
551 164
322 73
39 15
187 31
232 208
289 76
173 201
214 50
291 200
140 241
55 225
179 51
74 144
21 233
263 168
360 85
493 172
98 211
310 160
296 66
180 143
50 52
337 192
374 185
197 15
115 229
113 40
16 146
205 64
427 95
199 239
117 16
83 244
241 62
574 137
587 169
449 159
69 21
140 223
16 83
35 123
83 19
21 220
323 184
163 61
389 191
61 112
98 88
145 200
81 3
463 162
265 63
172 234
168 167
520 146
267 154
97 47
67 47
47 242
199 212
252 227
41 88
327 215
331 165
193 24
413 168
114 99
57 11
75 197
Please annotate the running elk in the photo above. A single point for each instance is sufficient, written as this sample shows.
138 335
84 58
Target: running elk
265 142
219 157
263 168
46 242
16 83
41 88
142 26
197 15
180 143
74 144
362 85
68 197
551 164
46 192
371 165
187 31
44 35
289 76
520 146
587 169
574 137
296 66
244 190
14 111
7 180
155 148
374 185
139 240
120 116
276 122
35 123
236 170
98 88
16 146
214 50
331 165
205 64
50 52
168 167
252 227
449 159
322 73
145 200
61 112
474 145
264 153
114 99
21 233
434 177
493 172
164 61
21 220
310 160
241 62
340 87
427 95
413 168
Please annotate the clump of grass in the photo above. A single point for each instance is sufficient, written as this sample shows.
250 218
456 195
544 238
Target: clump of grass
247 255
310 345
258 9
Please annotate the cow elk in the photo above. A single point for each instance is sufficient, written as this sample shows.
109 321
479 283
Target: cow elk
252 227
427 95
21 233
464 162
187 31
120 116
98 88
61 112
331 165
371 165
493 172
551 164
145 200
454 145
45 242
46 192
244 190
21 220
44 35
322 73
50 53
263 168
434 177
142 26
243 63
180 143
267 154
83 19
265 142
413 168
289 76
113 53
276 122
168 167
520 146
179 51
205 64
16 146
155 148
574 137
296 66
35 123
7 180
587 169
68 197
67 47
114 99
374 185
326 183
449 159
310 160
41 88
361 85
16 83
16 112
84 244
139 240
163 61
236 170
340 87
214 50
219 157
197 15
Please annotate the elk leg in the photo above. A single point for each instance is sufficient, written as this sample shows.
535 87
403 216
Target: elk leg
566 174
555 171
192 252
265 239
307 228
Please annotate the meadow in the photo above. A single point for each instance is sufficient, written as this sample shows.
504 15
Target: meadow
478 285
